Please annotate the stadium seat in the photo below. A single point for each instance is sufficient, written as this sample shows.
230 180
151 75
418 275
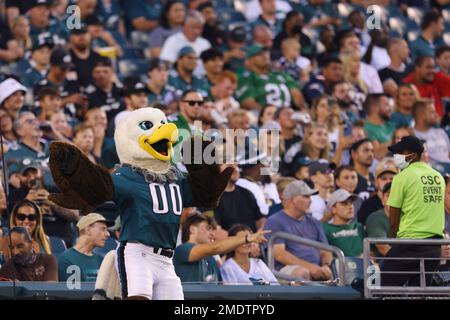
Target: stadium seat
132 67
57 245
344 9
412 35
398 25
110 244
139 39
446 37
219 4
446 15
228 16
415 14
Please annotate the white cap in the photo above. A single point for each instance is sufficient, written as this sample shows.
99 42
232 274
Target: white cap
8 87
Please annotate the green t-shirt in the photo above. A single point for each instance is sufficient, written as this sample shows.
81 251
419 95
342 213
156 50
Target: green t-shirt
272 88
381 133
88 265
418 190
377 225
203 270
347 237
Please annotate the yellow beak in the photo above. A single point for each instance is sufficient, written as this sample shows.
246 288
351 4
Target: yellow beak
159 144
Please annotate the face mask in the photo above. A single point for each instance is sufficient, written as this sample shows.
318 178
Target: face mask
24 259
400 161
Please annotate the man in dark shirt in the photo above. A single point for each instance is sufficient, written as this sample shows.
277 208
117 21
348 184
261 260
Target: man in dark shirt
83 57
238 206
27 265
398 51
362 158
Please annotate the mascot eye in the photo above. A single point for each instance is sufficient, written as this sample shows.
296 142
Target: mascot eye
163 122
145 125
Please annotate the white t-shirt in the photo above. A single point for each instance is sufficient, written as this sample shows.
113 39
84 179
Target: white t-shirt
318 207
175 42
370 76
253 9
437 142
257 192
380 58
232 273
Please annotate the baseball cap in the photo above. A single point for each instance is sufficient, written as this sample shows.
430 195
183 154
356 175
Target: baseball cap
156 63
8 87
321 166
211 54
92 218
28 163
134 87
61 58
298 188
42 43
34 3
340 195
386 165
238 34
254 50
186 50
301 162
408 143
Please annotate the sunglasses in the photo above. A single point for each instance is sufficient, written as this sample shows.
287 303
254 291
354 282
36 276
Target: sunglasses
193 103
22 217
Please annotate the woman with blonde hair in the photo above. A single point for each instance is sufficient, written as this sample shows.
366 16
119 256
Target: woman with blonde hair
351 65
20 29
28 214
315 144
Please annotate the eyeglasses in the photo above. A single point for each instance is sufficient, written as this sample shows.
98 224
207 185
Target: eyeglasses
30 121
22 217
192 103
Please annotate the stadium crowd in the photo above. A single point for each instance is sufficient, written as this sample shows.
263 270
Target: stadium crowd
337 93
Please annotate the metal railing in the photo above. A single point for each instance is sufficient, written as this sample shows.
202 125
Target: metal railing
318 245
371 290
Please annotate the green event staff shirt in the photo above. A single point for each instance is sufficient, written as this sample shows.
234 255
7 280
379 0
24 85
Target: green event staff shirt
272 88
418 190
70 260
347 237
150 212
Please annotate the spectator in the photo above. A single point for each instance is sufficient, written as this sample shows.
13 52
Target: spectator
190 37
263 36
83 57
431 84
83 138
293 28
27 264
292 258
343 232
240 268
319 13
406 96
432 27
443 59
384 173
81 259
212 30
60 127
38 11
346 178
182 77
357 22
416 212
268 16
12 96
376 54
222 95
289 132
300 168
10 50
340 91
331 73
49 103
253 9
323 113
326 45
362 156
378 126
292 63
282 183
259 86
58 78
20 30
39 63
213 62
101 38
392 76
170 22
401 132
238 206
136 97
104 147
158 91
349 43
142 15
358 91
266 115
437 140
7 131
315 143
193 260
377 224
104 92
234 50
28 215
321 174
3 212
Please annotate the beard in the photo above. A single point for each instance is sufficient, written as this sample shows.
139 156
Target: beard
24 259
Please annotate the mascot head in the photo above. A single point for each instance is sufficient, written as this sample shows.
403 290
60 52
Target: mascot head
144 139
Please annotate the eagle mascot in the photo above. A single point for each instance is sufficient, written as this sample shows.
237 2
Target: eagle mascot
150 194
